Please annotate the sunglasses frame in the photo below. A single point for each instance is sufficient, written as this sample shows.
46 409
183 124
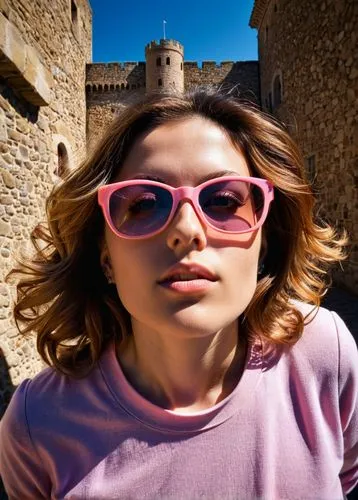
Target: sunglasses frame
184 193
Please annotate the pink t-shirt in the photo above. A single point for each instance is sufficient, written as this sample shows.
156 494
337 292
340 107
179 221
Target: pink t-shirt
289 430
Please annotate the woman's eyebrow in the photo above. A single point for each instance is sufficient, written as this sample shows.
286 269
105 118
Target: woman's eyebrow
221 173
213 175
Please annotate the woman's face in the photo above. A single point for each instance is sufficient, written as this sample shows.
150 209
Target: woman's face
184 153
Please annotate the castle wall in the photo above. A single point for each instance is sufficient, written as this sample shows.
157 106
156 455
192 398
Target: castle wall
43 52
115 76
109 87
243 75
309 61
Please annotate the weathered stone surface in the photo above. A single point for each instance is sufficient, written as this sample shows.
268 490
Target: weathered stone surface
14 135
36 43
313 52
38 77
5 228
113 86
8 178
3 132
4 253
8 158
23 126
12 48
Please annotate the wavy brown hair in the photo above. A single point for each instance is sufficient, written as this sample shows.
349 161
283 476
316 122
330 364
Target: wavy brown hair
63 295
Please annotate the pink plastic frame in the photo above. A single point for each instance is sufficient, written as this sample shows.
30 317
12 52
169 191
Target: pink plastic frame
184 193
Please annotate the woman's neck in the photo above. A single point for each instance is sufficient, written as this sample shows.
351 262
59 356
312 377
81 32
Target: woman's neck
183 374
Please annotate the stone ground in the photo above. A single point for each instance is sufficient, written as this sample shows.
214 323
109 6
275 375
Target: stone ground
346 305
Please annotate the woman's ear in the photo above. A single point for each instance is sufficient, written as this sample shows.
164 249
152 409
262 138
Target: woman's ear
105 262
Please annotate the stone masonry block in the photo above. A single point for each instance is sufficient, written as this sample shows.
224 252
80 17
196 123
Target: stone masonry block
8 178
4 8
39 78
5 228
3 131
21 66
12 48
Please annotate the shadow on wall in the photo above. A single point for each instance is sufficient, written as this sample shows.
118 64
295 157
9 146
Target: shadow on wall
247 74
6 391
24 108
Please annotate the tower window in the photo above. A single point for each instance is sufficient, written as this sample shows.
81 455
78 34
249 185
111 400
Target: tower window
62 160
74 13
159 61
168 60
105 87
160 83
266 34
181 66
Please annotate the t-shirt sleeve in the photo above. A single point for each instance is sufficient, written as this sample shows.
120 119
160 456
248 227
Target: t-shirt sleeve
21 468
348 403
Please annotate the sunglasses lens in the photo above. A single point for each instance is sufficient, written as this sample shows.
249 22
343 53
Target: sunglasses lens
140 209
232 205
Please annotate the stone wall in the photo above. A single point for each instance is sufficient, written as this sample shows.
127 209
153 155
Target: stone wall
112 86
109 87
244 75
43 53
103 77
102 107
308 53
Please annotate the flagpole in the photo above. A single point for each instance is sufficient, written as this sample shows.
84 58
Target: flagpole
164 23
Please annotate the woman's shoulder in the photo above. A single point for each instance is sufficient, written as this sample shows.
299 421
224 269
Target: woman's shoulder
326 342
323 323
35 395
49 393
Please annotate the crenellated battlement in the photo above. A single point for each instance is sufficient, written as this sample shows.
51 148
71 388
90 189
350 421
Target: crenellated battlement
117 76
212 65
164 44
95 69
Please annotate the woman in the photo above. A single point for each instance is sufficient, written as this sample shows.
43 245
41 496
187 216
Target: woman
172 301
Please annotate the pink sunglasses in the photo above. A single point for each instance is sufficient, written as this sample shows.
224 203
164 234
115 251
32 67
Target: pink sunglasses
139 209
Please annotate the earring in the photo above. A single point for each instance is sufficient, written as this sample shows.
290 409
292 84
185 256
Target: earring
261 269
108 276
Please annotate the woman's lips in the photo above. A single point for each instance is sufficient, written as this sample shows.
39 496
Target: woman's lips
188 286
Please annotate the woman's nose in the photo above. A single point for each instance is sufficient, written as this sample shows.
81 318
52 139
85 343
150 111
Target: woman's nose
186 229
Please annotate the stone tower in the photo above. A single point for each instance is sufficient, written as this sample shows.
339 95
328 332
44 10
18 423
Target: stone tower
164 65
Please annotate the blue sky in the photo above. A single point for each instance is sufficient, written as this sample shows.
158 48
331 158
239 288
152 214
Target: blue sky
208 30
